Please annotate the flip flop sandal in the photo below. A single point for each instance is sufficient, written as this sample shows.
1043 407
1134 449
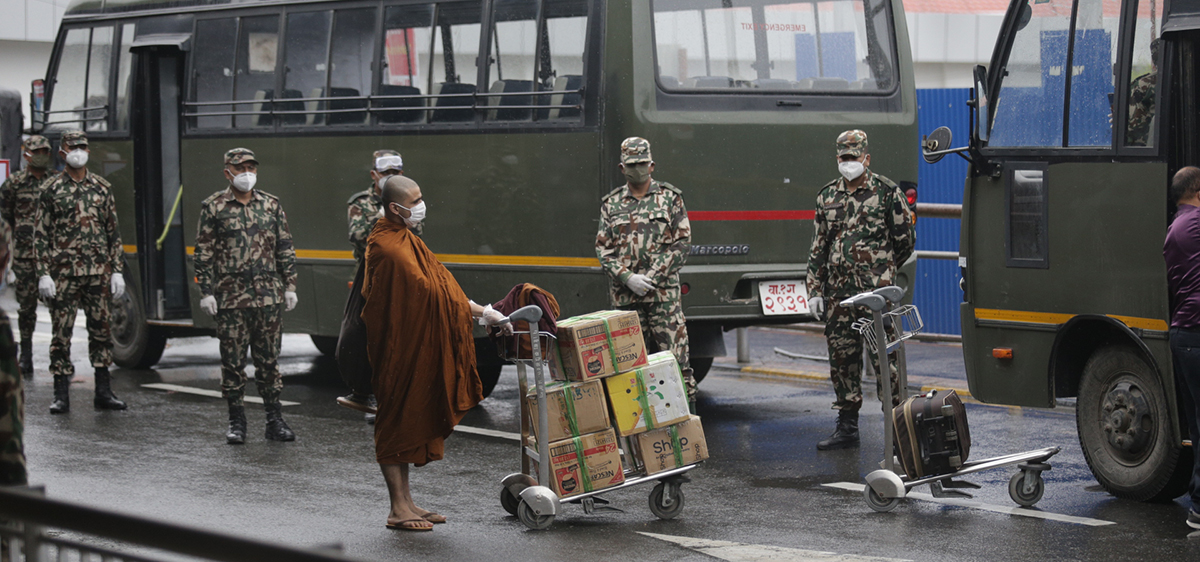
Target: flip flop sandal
434 517
400 525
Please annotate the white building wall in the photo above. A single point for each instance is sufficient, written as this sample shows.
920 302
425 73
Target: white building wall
27 31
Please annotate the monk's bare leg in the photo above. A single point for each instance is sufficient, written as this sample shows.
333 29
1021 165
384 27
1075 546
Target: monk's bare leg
403 512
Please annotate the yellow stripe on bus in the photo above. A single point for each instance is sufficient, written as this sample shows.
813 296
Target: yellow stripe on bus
1060 318
454 258
131 248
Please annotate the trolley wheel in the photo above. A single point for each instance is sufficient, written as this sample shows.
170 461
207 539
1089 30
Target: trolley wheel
508 501
533 520
656 501
879 503
1016 489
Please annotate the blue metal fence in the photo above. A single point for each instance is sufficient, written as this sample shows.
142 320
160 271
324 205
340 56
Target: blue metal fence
937 293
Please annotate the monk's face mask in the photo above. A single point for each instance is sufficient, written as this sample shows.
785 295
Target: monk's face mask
416 213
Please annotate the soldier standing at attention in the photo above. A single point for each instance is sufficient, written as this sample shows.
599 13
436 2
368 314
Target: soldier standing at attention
246 268
79 261
643 240
365 207
864 231
18 205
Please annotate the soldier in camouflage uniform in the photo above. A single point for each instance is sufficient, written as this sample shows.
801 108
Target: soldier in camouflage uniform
643 240
246 268
79 257
1141 102
18 205
12 395
864 232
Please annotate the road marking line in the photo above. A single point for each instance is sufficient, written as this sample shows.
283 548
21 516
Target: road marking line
976 504
208 393
742 552
489 432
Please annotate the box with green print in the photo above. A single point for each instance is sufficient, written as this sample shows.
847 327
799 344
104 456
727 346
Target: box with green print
649 397
572 409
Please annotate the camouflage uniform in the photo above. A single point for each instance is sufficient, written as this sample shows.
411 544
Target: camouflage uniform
244 257
650 236
12 398
18 205
1141 110
76 243
861 238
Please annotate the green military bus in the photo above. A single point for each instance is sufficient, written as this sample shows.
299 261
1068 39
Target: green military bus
1086 111
509 113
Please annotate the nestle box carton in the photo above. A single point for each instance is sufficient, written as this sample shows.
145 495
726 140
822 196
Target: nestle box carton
625 335
671 447
573 409
584 350
648 397
585 464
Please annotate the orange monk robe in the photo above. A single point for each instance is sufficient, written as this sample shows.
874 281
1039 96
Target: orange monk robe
419 341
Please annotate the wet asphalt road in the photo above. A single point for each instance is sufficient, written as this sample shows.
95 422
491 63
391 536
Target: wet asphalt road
765 484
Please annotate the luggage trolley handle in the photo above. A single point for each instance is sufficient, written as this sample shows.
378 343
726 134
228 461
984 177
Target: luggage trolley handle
877 301
532 314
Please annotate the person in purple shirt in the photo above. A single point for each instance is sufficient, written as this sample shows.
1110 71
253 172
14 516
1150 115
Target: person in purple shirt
1181 250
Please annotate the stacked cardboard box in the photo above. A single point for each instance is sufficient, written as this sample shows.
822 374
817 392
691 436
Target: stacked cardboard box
671 447
573 409
585 464
648 397
598 345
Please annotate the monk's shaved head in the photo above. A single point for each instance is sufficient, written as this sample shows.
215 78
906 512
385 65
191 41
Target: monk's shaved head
400 189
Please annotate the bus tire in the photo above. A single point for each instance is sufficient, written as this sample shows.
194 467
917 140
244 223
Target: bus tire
488 364
136 344
1124 426
327 345
700 367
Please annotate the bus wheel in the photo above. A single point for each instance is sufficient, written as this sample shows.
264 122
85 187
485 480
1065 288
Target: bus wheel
136 345
1124 426
327 345
700 367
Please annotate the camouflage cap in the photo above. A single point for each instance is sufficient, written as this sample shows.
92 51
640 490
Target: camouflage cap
238 156
35 142
635 150
383 164
852 142
73 138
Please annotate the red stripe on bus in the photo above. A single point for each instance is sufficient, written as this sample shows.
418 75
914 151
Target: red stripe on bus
750 215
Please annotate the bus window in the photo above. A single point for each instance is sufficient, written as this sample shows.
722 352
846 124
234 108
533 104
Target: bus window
1029 107
124 78
307 53
562 47
1143 75
1093 61
99 67
80 96
212 71
258 47
350 65
455 53
511 60
405 64
831 46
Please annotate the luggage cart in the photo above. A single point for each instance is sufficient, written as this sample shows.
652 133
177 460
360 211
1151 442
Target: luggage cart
535 505
885 488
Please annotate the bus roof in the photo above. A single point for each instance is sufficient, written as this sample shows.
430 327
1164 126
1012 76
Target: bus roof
94 7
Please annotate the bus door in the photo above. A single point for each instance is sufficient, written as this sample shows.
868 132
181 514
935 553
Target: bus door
156 128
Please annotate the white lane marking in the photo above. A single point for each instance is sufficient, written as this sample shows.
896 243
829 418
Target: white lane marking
489 432
208 393
976 504
742 552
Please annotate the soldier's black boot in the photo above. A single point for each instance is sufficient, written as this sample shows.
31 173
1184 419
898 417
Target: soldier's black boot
62 395
105 399
237 425
25 364
846 434
277 429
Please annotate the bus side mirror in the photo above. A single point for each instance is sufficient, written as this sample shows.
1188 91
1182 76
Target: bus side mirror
982 110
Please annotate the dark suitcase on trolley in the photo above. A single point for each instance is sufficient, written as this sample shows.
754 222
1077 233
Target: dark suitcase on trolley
931 434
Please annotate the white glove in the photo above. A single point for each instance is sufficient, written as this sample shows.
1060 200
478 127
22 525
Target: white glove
816 306
209 304
46 287
10 276
490 316
289 300
639 284
118 285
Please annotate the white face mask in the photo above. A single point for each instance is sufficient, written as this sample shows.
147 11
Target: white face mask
245 181
416 214
850 169
77 158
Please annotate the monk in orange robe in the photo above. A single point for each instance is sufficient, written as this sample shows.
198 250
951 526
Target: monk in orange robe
419 341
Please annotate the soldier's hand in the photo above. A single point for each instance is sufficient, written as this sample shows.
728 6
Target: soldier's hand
816 306
289 300
118 285
209 304
46 287
639 284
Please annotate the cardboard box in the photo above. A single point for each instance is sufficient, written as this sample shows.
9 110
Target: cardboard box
671 447
573 409
628 343
598 345
650 397
600 467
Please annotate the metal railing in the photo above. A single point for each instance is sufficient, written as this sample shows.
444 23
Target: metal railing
938 211
26 515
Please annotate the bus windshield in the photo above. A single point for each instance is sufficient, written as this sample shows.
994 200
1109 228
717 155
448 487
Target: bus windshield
742 45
